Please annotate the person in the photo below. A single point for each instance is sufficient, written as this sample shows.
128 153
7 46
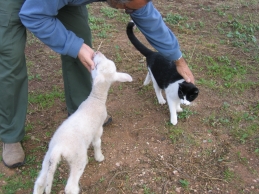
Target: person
63 26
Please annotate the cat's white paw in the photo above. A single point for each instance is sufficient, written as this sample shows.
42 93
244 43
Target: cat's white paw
179 110
161 101
174 121
99 157
146 82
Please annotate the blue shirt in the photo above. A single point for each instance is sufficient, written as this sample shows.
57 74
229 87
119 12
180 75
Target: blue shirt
39 16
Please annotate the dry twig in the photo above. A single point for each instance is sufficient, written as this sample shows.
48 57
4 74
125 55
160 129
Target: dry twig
99 46
114 177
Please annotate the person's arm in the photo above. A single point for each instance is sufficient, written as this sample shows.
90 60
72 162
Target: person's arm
150 22
40 18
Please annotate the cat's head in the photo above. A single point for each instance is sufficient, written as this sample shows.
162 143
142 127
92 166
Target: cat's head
187 92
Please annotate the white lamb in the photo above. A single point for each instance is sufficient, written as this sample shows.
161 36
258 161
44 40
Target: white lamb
73 137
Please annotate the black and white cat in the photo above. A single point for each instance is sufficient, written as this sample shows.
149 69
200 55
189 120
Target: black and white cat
164 76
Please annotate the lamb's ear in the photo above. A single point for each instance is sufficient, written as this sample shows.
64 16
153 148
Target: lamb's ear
123 77
98 78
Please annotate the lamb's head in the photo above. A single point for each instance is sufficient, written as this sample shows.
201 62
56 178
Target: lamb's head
105 70
103 66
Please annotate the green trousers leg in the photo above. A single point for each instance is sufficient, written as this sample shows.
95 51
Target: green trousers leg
77 79
13 73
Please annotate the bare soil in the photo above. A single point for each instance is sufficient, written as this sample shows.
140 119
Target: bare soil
143 152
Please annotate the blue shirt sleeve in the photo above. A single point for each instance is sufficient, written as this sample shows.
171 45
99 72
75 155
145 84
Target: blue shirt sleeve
150 22
39 16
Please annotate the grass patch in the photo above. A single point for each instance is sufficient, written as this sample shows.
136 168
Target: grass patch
46 100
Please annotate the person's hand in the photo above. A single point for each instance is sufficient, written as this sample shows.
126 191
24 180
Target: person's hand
184 70
85 55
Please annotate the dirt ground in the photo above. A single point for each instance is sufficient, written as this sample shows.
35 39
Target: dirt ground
143 152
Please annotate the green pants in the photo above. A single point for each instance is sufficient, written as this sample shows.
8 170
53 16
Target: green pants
13 71
77 79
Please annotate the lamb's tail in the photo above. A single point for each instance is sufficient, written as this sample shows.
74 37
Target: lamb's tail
138 45
49 165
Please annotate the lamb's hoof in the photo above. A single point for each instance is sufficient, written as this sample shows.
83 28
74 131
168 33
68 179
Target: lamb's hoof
99 158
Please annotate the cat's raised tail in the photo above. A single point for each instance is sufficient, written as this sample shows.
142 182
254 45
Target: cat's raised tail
138 45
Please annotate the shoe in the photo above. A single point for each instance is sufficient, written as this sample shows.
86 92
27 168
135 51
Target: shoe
107 121
13 155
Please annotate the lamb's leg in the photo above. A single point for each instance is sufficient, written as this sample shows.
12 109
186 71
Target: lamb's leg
77 166
40 183
97 148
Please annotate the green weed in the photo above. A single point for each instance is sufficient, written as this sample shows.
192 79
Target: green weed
184 183
46 100
101 179
147 190
118 56
241 35
228 175
185 114
175 19
109 12
175 134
